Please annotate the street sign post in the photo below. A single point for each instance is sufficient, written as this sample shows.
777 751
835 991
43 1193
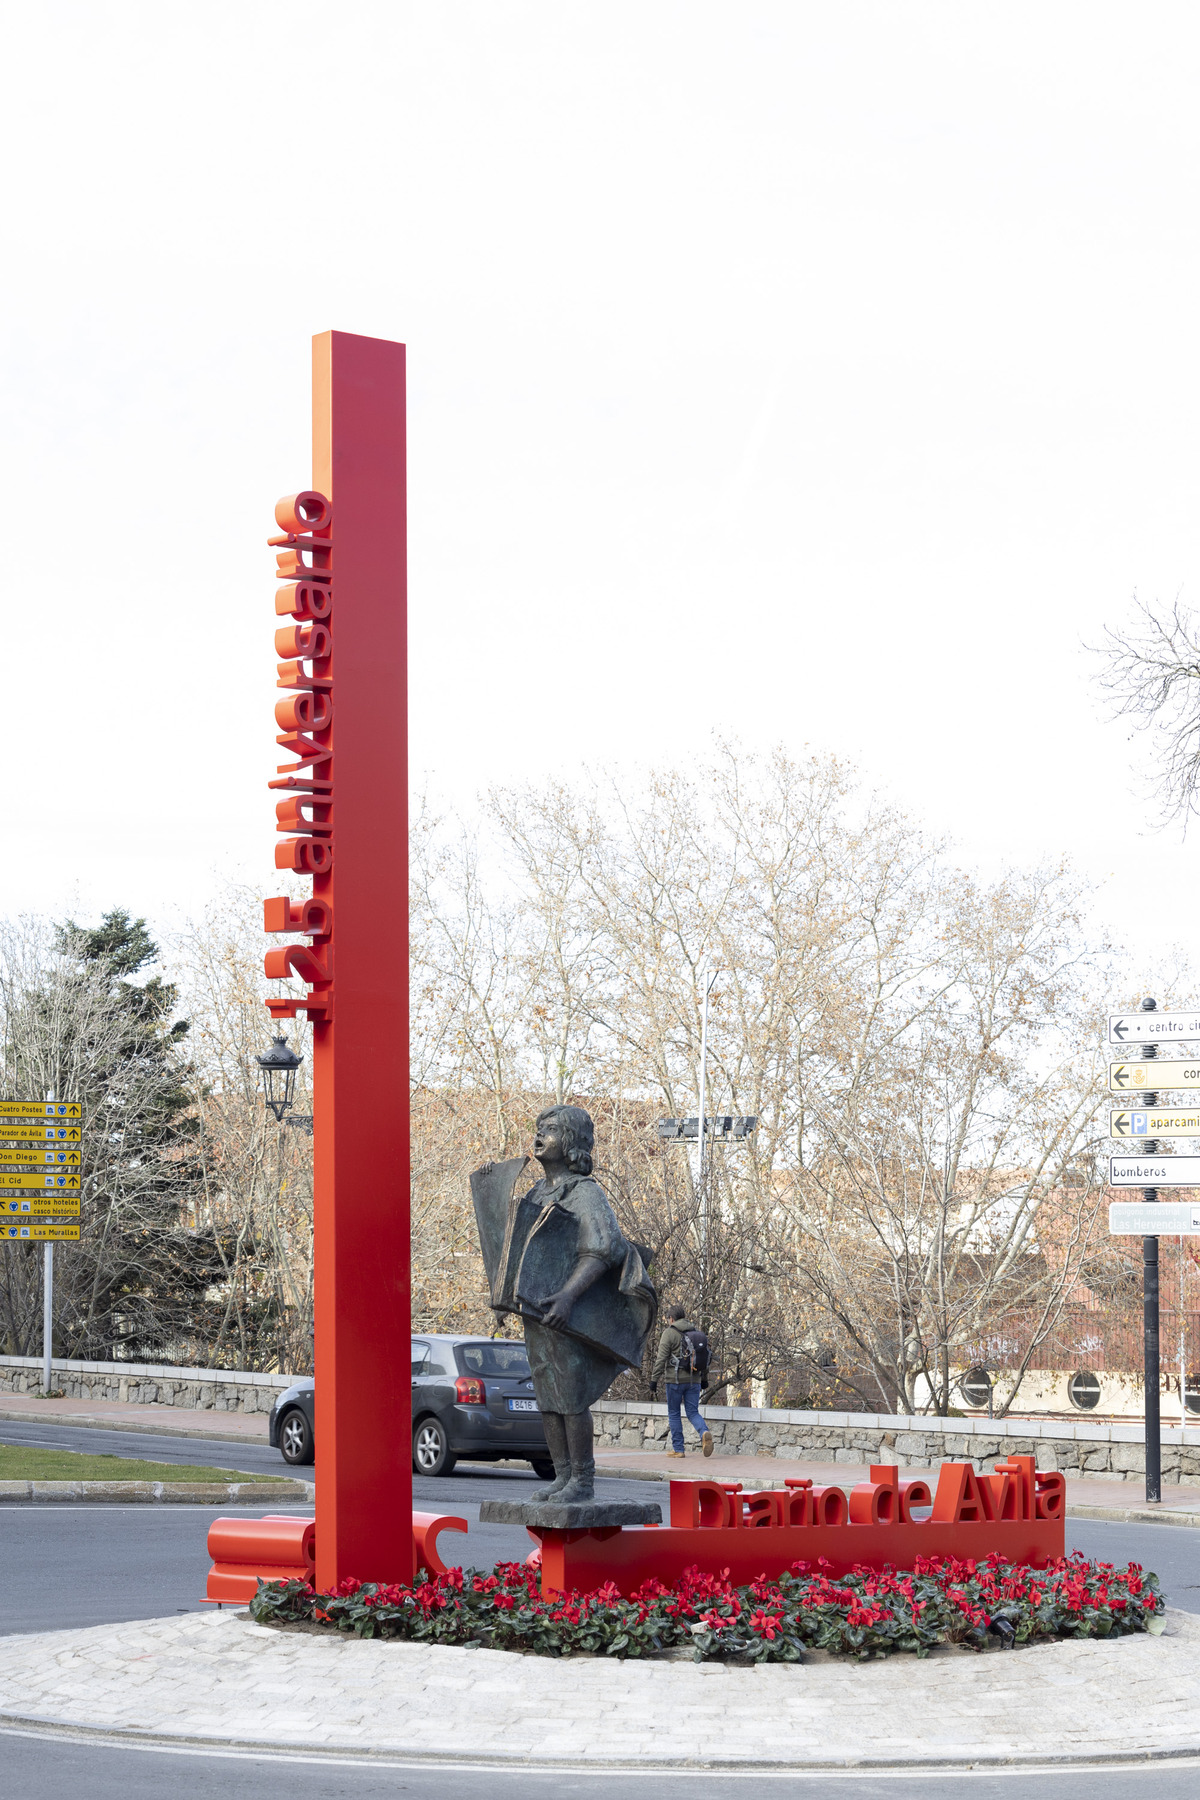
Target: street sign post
1128 1077
1154 1171
1154 1027
1143 1080
12 1181
34 1157
40 1109
42 1206
1158 1218
39 1134
40 1234
1150 1124
33 1180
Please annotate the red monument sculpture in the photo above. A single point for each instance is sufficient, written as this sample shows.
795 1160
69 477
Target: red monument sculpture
342 816
342 812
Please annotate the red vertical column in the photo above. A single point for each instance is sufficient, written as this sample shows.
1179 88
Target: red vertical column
360 1056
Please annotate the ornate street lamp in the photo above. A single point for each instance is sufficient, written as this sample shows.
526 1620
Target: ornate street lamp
279 1067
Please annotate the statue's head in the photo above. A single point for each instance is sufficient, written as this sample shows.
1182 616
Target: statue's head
572 1128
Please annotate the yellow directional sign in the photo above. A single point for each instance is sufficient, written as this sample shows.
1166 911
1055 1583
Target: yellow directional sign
34 1157
39 1234
13 1183
1154 1124
42 1134
40 1109
1129 1078
45 1206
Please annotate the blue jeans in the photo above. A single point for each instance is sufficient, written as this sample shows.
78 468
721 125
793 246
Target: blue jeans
685 1394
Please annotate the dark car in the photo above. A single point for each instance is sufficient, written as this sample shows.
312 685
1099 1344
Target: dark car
471 1397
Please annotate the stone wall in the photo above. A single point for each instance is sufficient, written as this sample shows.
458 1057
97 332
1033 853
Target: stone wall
1083 1448
146 1384
1114 1452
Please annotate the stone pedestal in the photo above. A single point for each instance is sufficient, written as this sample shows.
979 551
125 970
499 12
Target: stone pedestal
584 1515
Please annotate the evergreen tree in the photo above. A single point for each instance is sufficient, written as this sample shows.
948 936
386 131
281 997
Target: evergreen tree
80 1025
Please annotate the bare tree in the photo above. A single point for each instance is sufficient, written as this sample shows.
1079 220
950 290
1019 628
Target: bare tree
1150 673
256 1197
879 1013
922 1181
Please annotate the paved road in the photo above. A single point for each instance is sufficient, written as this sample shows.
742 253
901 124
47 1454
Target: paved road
42 1769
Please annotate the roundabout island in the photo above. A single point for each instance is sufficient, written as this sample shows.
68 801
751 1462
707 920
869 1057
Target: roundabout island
219 1681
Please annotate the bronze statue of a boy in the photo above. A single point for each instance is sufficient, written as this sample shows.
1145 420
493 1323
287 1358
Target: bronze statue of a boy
558 1258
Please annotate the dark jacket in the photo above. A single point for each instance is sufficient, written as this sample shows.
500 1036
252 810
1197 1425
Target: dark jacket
669 1346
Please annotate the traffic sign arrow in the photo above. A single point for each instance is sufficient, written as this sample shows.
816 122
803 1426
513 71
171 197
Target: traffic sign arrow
1154 1124
1153 1027
40 1234
46 1134
1129 1077
40 1109
33 1156
39 1184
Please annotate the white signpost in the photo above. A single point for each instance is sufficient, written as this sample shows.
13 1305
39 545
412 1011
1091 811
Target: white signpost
1152 1027
1130 1078
1154 1171
1161 1218
1154 1124
1145 1032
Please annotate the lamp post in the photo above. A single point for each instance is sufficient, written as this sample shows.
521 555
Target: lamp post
279 1067
708 976
1150 1335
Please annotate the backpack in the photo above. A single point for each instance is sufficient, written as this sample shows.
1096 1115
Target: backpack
691 1360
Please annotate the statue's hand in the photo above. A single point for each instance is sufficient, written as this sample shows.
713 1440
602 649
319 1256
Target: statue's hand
557 1313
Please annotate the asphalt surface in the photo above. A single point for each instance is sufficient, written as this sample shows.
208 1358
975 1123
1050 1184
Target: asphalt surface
75 1565
88 1565
42 1769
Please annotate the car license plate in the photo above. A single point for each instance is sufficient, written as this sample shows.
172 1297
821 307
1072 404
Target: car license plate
522 1406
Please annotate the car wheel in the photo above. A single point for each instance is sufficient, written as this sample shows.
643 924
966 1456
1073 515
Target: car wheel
543 1468
295 1437
431 1449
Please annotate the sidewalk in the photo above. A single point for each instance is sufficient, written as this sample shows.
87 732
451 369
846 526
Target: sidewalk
117 1415
217 1679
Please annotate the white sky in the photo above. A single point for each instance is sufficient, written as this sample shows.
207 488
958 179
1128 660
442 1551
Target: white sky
814 373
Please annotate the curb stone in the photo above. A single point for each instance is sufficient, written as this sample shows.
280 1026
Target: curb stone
186 1493
414 1756
1133 1515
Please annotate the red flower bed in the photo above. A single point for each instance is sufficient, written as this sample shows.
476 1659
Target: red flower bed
861 1614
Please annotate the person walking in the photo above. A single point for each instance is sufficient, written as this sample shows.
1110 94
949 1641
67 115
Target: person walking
683 1358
